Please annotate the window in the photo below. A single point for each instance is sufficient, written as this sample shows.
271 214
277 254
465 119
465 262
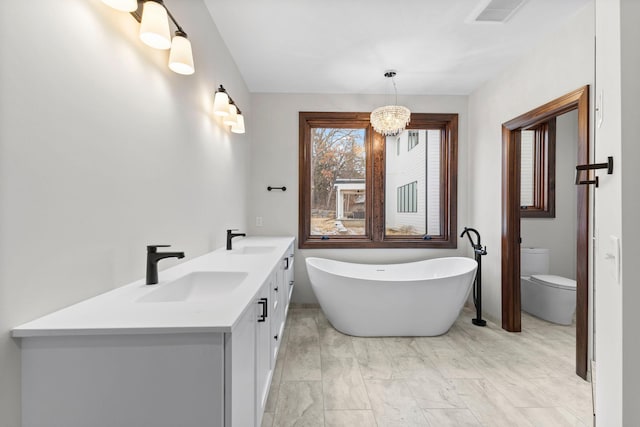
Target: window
537 170
354 192
413 139
408 197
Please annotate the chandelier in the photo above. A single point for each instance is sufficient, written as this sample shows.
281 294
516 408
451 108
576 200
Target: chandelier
390 119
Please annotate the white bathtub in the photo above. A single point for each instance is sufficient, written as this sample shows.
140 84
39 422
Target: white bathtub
421 298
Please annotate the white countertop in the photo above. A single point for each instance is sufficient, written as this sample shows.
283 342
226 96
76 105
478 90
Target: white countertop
120 311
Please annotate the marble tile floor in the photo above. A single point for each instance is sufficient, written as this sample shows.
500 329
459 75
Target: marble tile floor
470 376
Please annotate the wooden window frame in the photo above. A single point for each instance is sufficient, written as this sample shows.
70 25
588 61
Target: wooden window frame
544 172
375 143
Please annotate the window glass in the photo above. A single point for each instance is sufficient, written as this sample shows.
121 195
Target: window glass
414 179
413 139
527 167
338 185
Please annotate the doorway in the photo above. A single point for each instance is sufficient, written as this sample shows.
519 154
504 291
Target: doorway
511 238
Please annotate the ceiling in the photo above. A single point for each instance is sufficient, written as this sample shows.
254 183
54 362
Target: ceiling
344 46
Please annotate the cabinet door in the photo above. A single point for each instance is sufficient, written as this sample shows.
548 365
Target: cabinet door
289 278
240 362
263 348
280 293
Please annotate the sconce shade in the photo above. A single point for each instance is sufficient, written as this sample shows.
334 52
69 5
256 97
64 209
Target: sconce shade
181 57
122 5
154 26
231 115
221 104
232 118
239 126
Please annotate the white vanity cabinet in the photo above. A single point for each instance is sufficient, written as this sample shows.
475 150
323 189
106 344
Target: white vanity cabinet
263 350
289 275
278 294
179 369
281 296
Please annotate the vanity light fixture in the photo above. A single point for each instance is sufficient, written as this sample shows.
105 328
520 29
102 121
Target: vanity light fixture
181 57
390 119
238 127
221 102
225 107
231 118
154 17
122 5
154 25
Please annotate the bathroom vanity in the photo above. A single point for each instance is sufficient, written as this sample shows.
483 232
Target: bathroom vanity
197 349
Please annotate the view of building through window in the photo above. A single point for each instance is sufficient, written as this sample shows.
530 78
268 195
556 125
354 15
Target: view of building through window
412 183
338 190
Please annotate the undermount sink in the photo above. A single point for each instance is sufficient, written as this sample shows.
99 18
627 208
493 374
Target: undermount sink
252 250
196 286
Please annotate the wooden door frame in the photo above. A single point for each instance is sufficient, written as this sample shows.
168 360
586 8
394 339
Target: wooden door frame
511 320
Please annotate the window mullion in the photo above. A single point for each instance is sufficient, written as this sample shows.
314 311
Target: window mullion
378 185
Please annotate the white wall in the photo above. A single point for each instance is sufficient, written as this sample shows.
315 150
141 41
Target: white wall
630 197
560 64
559 233
104 150
274 157
617 202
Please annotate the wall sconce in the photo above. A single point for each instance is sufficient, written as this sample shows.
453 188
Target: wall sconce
154 17
224 107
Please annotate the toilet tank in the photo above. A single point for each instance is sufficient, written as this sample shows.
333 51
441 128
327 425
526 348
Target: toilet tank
534 261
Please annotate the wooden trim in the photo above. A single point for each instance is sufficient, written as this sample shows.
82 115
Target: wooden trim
304 158
452 214
307 121
379 187
510 230
582 244
578 99
544 205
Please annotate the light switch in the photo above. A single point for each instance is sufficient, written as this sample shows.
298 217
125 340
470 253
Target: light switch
613 256
600 109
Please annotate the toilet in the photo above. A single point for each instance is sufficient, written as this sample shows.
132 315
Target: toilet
549 297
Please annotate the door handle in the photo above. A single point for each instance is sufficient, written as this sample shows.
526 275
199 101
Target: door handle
264 302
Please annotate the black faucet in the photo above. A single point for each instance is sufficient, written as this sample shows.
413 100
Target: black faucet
231 235
153 256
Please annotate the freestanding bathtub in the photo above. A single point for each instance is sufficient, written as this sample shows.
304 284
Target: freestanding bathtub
420 298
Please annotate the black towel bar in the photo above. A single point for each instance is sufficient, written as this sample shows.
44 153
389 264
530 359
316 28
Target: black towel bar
608 166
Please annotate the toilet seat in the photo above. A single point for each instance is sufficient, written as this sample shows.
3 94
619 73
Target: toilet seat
554 281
